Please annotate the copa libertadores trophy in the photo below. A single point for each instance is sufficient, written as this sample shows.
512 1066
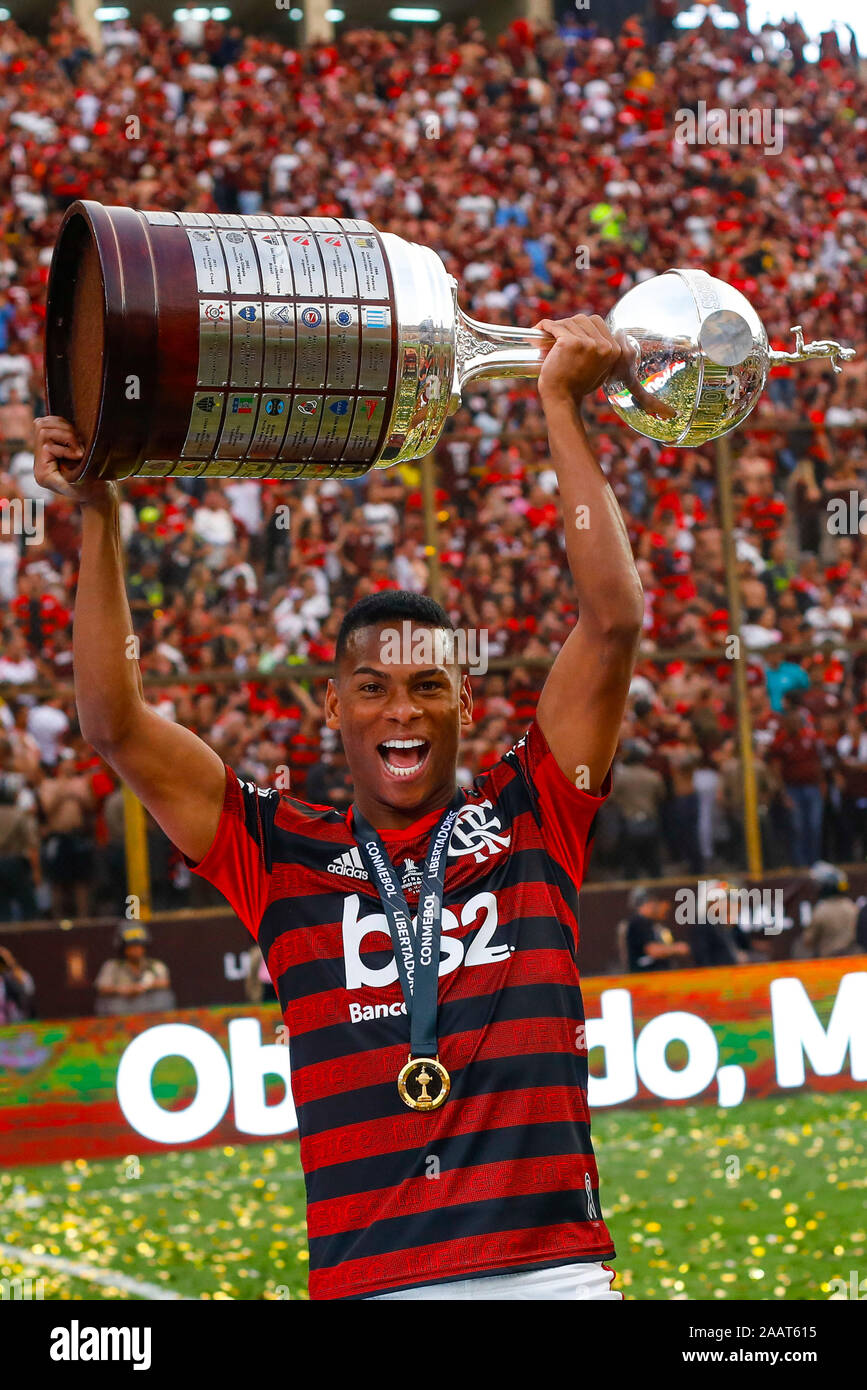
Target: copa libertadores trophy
196 345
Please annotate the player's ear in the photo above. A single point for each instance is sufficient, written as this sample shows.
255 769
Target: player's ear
332 705
466 701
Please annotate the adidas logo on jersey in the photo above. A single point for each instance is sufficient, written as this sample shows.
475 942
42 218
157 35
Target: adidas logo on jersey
349 864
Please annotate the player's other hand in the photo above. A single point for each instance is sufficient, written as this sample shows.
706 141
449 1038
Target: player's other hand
583 354
57 444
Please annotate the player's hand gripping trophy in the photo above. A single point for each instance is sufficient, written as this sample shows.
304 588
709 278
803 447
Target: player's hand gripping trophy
197 345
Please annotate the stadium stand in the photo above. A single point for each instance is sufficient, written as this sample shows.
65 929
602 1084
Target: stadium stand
553 152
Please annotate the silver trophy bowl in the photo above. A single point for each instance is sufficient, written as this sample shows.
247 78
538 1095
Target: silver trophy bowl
696 357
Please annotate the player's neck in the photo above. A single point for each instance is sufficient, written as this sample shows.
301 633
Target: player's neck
384 817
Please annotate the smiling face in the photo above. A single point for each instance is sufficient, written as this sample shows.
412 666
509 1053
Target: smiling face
400 720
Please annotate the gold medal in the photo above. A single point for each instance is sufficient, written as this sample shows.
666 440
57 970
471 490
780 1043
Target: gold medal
415 1079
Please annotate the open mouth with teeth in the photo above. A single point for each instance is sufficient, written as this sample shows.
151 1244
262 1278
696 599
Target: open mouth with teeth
404 758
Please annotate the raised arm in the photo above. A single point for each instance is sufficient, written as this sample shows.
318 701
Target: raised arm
174 773
581 706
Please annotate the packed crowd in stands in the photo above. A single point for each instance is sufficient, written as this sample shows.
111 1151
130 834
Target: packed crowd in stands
542 166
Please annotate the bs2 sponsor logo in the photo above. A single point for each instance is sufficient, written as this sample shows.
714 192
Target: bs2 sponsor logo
453 951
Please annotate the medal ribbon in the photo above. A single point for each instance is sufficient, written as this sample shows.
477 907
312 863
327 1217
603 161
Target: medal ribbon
417 953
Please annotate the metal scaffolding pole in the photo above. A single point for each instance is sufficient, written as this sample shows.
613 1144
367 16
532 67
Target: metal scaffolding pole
85 14
428 470
316 27
752 832
138 873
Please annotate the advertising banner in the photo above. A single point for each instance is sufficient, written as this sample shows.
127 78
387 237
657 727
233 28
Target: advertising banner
103 1087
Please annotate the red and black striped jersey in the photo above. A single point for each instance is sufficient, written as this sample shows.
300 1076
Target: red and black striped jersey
501 1177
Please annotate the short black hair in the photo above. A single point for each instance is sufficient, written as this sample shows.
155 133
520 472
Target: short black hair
390 605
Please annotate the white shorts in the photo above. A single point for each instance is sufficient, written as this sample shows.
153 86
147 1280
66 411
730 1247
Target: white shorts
566 1281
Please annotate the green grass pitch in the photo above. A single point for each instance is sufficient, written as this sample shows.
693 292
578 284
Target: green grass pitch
767 1201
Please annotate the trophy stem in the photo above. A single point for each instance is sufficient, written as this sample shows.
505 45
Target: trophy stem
486 350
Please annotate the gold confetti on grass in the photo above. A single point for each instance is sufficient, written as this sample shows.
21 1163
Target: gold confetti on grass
228 1223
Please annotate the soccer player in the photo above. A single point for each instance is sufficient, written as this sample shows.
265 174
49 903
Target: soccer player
439 1073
